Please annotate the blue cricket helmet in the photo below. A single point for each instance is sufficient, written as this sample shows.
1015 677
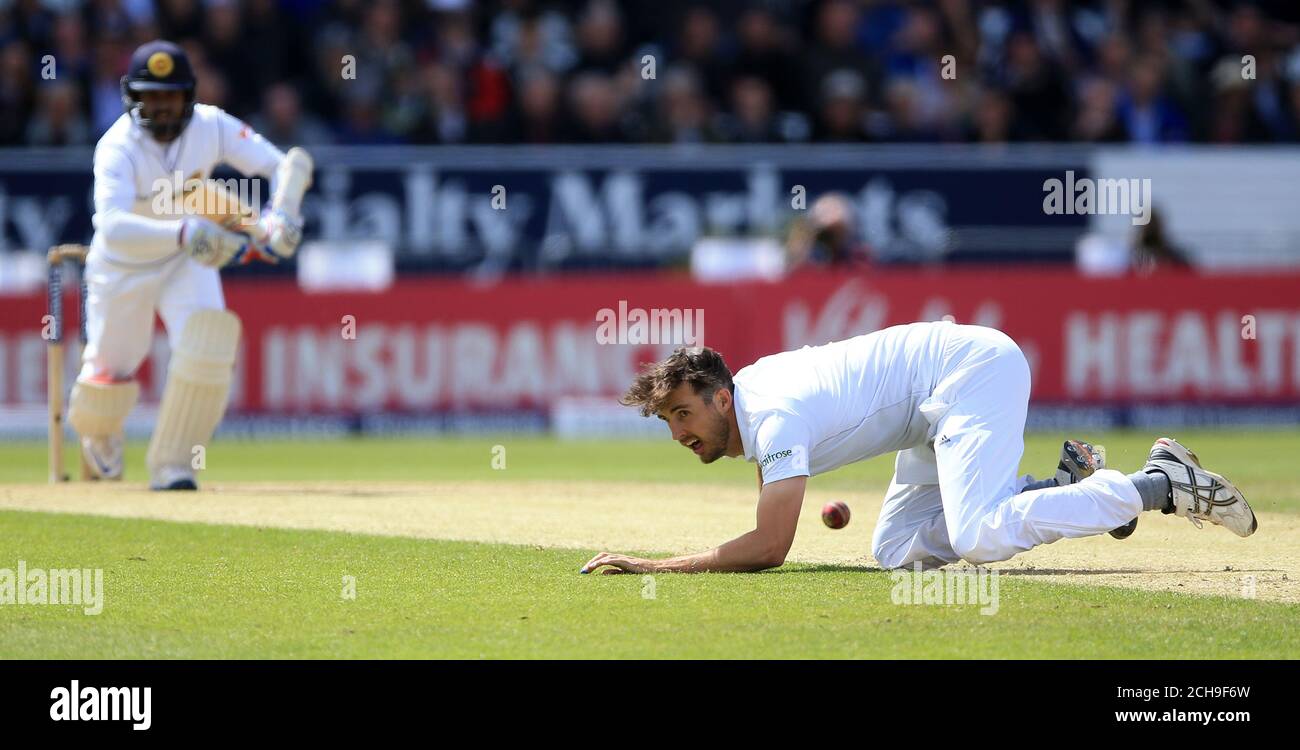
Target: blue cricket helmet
158 66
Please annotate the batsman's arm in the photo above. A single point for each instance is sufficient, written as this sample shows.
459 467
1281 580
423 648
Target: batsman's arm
142 238
764 547
282 225
279 230
244 148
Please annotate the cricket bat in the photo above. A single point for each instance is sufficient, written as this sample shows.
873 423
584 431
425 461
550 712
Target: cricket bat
226 207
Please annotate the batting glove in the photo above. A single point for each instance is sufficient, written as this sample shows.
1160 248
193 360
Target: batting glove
209 244
279 233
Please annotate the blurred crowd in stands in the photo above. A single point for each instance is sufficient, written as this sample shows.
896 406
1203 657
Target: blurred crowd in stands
671 71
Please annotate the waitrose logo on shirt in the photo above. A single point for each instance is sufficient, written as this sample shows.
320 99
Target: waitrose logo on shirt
769 458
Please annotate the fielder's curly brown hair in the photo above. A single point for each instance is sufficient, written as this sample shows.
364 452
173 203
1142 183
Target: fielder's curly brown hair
700 366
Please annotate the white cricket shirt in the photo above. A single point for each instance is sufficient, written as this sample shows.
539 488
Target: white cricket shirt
129 162
815 409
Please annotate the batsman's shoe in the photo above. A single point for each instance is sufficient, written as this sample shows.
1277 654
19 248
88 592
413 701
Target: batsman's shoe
1080 460
1199 495
172 478
104 456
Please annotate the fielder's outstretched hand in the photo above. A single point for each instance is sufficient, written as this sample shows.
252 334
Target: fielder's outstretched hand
617 564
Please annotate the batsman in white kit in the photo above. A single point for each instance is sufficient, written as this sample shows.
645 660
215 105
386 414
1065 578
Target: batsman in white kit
951 400
152 252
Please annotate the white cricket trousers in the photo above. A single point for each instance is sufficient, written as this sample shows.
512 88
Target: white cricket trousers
120 309
972 512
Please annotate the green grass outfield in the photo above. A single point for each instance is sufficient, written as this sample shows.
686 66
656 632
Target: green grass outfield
184 590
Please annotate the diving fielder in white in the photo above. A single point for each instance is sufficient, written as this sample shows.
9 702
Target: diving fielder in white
142 261
951 400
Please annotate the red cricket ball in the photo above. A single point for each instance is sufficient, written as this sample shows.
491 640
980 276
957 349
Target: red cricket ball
835 514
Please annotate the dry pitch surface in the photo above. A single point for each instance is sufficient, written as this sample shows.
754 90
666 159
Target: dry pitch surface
1166 553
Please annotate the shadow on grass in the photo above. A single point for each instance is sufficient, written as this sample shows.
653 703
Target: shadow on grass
824 568
830 568
1120 571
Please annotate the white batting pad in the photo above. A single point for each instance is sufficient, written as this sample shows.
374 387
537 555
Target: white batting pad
98 409
198 386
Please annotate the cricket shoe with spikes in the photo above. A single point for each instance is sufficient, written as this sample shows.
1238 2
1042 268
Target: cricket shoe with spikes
104 455
1080 460
1199 495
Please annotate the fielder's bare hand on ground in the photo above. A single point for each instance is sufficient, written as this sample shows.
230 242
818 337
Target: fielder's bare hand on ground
610 564
951 400
145 260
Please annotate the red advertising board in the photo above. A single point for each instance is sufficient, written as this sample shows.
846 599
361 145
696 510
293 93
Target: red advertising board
431 344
